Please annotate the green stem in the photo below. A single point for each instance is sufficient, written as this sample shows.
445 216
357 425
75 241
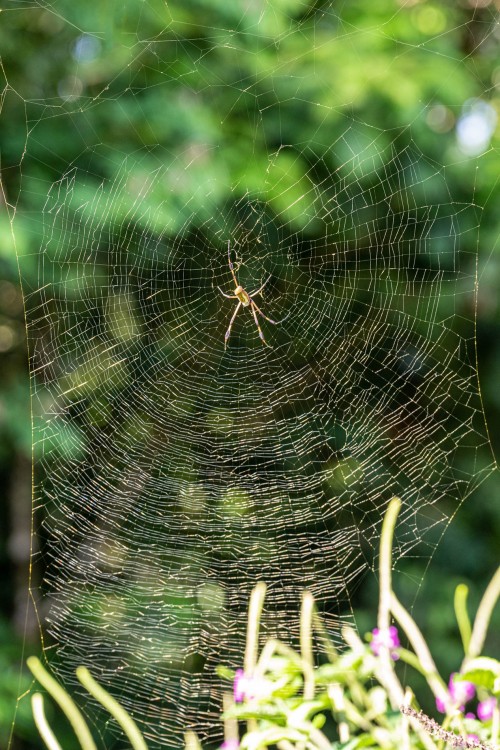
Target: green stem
322 632
483 617
273 646
254 615
460 604
125 721
385 672
408 657
306 613
405 724
66 703
336 695
252 643
320 740
230 724
265 658
410 627
385 565
42 724
191 741
385 668
357 690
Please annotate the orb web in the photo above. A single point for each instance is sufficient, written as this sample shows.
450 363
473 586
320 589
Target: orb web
194 469
173 469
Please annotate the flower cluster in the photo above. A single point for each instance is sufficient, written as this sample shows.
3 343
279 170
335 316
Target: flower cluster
460 692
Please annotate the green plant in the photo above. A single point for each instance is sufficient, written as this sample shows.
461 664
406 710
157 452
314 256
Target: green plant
287 701
73 713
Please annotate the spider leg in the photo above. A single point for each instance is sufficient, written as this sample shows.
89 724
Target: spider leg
228 332
274 322
260 288
231 267
229 296
254 306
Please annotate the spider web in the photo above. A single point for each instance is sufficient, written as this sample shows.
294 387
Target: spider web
173 473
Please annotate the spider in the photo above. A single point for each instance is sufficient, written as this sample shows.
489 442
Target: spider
245 299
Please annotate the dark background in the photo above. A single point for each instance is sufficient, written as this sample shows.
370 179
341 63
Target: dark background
76 75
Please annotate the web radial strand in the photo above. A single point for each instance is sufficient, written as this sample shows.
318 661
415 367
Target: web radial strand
190 471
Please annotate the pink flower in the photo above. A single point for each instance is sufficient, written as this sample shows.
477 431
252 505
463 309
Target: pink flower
240 686
247 688
389 638
474 738
485 709
440 706
230 745
460 692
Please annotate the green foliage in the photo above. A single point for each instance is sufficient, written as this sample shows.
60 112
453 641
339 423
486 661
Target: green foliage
484 672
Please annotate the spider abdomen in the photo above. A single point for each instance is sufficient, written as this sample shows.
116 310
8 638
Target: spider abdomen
242 296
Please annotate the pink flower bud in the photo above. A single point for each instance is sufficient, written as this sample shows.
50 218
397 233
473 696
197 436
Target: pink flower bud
485 709
388 638
461 691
